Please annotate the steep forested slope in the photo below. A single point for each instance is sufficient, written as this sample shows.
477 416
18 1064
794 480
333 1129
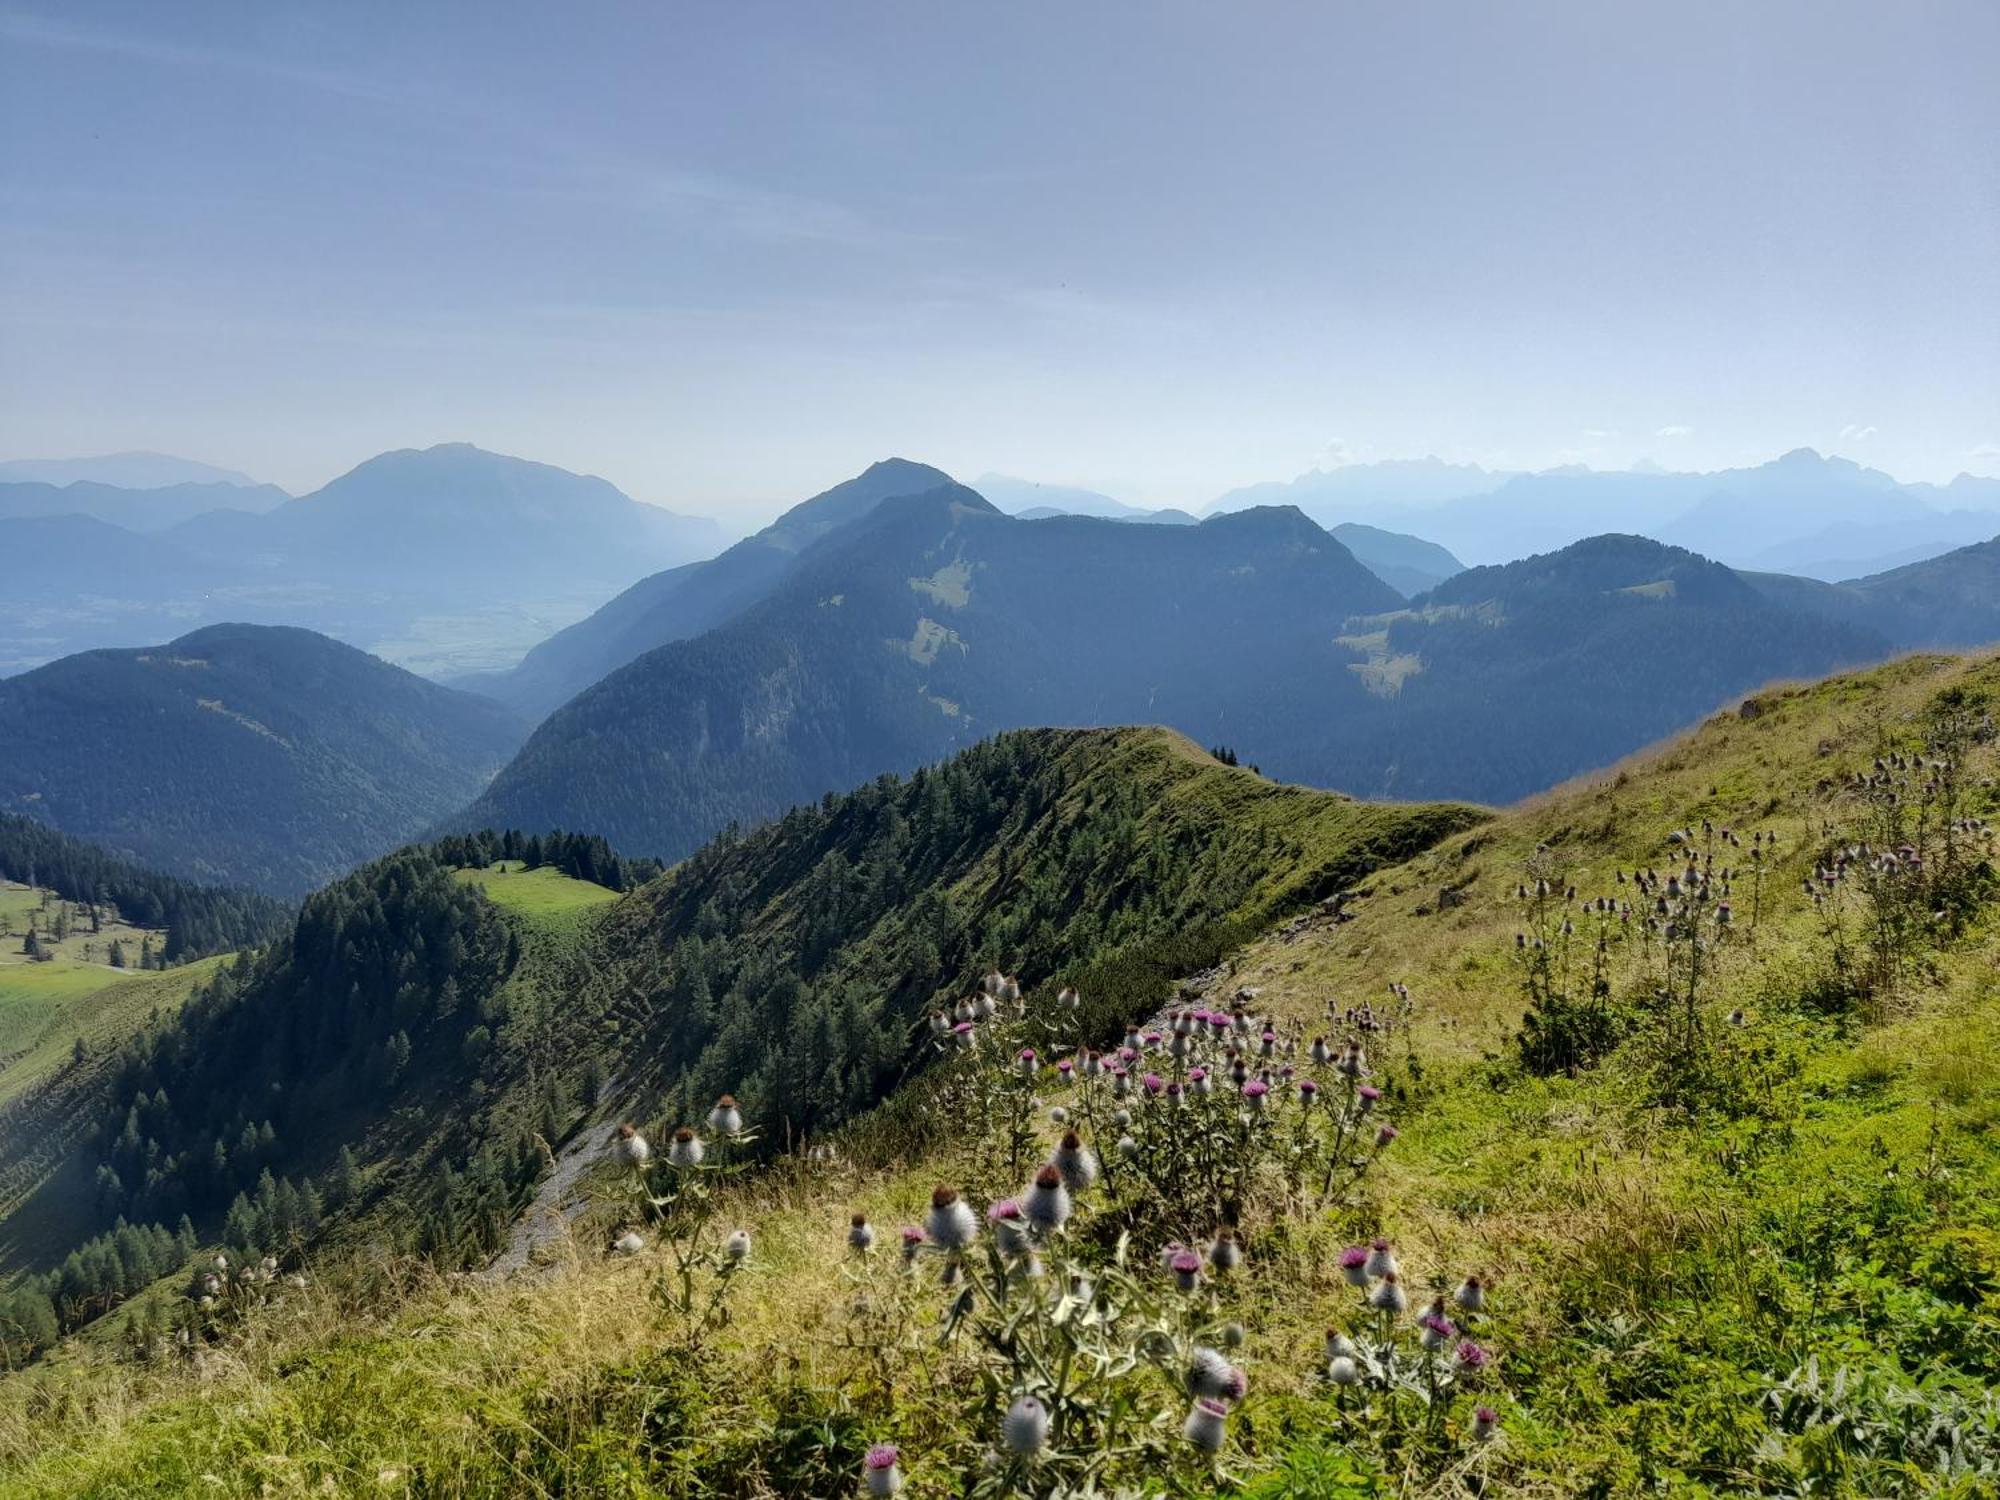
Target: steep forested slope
1503 681
198 919
259 755
935 623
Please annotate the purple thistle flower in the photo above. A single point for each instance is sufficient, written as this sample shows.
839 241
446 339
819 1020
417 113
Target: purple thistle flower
884 1478
1385 1135
1186 1266
1354 1265
1254 1093
1367 1097
1485 1423
1470 1357
1153 1083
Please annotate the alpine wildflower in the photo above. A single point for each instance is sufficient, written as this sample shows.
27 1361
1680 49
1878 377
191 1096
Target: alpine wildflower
880 1467
1485 1423
860 1234
1186 1266
1354 1266
1381 1259
737 1247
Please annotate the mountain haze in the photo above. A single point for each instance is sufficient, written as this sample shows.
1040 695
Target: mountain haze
686 601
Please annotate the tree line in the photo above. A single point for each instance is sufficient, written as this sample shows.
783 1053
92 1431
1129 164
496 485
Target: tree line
199 920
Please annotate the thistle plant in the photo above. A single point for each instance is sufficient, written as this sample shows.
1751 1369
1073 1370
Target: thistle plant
678 1195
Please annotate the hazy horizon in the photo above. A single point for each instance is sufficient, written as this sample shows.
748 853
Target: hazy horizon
723 258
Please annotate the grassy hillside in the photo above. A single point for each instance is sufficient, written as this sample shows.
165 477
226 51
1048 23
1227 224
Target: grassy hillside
1737 1236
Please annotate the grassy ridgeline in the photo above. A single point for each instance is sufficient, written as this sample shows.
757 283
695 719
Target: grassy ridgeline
1783 1279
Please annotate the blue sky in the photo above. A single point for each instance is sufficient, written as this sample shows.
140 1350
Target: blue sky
727 254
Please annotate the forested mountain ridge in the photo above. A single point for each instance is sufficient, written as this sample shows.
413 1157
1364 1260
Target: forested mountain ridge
926 627
1505 680
258 755
932 623
397 1053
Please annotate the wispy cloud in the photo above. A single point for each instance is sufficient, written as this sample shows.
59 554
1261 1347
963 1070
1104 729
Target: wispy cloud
1673 430
1855 432
1984 452
26 30
537 162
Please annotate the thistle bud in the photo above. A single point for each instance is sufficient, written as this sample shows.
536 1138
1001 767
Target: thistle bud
1206 1425
726 1118
736 1249
1342 1370
1225 1253
1389 1296
1471 1294
860 1234
630 1147
950 1223
1074 1161
1047 1204
1381 1259
686 1150
1485 1423
1025 1428
1209 1373
629 1243
1010 1229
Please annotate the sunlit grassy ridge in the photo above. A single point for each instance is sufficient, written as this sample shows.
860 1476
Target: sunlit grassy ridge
1791 1287
544 892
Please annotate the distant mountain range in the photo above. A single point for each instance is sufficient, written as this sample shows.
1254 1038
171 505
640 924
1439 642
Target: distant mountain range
448 559
1803 512
130 471
267 756
148 510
